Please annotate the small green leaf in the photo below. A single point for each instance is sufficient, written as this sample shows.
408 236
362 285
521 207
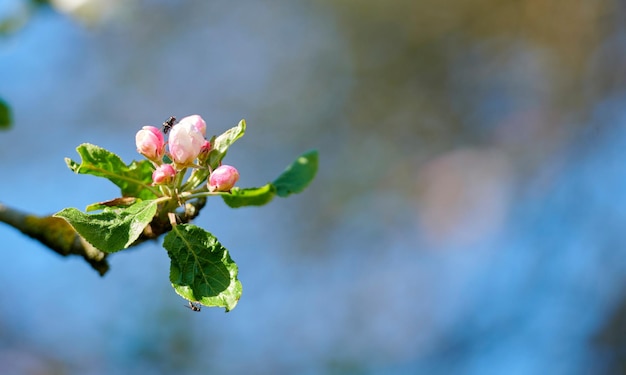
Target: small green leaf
201 269
220 145
134 179
111 230
249 196
6 119
298 175
117 202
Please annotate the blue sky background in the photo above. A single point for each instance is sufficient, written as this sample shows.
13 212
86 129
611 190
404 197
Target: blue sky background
467 217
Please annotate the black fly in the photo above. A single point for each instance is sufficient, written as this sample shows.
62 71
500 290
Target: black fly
194 306
167 125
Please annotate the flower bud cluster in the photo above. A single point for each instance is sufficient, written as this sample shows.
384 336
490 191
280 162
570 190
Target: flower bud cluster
185 147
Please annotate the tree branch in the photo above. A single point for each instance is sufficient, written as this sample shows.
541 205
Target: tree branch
58 235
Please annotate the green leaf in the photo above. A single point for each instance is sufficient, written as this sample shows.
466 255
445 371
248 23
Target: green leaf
134 180
298 175
249 196
220 145
111 230
201 269
5 115
293 180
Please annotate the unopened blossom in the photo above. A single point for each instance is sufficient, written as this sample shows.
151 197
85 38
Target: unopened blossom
223 178
163 174
197 121
204 151
185 142
150 143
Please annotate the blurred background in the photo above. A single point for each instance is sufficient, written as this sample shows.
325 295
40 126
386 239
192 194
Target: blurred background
468 216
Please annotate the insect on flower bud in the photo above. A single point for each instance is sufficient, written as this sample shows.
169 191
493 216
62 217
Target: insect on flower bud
163 174
150 143
185 142
223 178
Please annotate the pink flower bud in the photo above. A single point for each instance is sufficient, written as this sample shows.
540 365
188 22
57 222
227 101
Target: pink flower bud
197 122
204 151
185 142
206 147
163 174
223 178
150 143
